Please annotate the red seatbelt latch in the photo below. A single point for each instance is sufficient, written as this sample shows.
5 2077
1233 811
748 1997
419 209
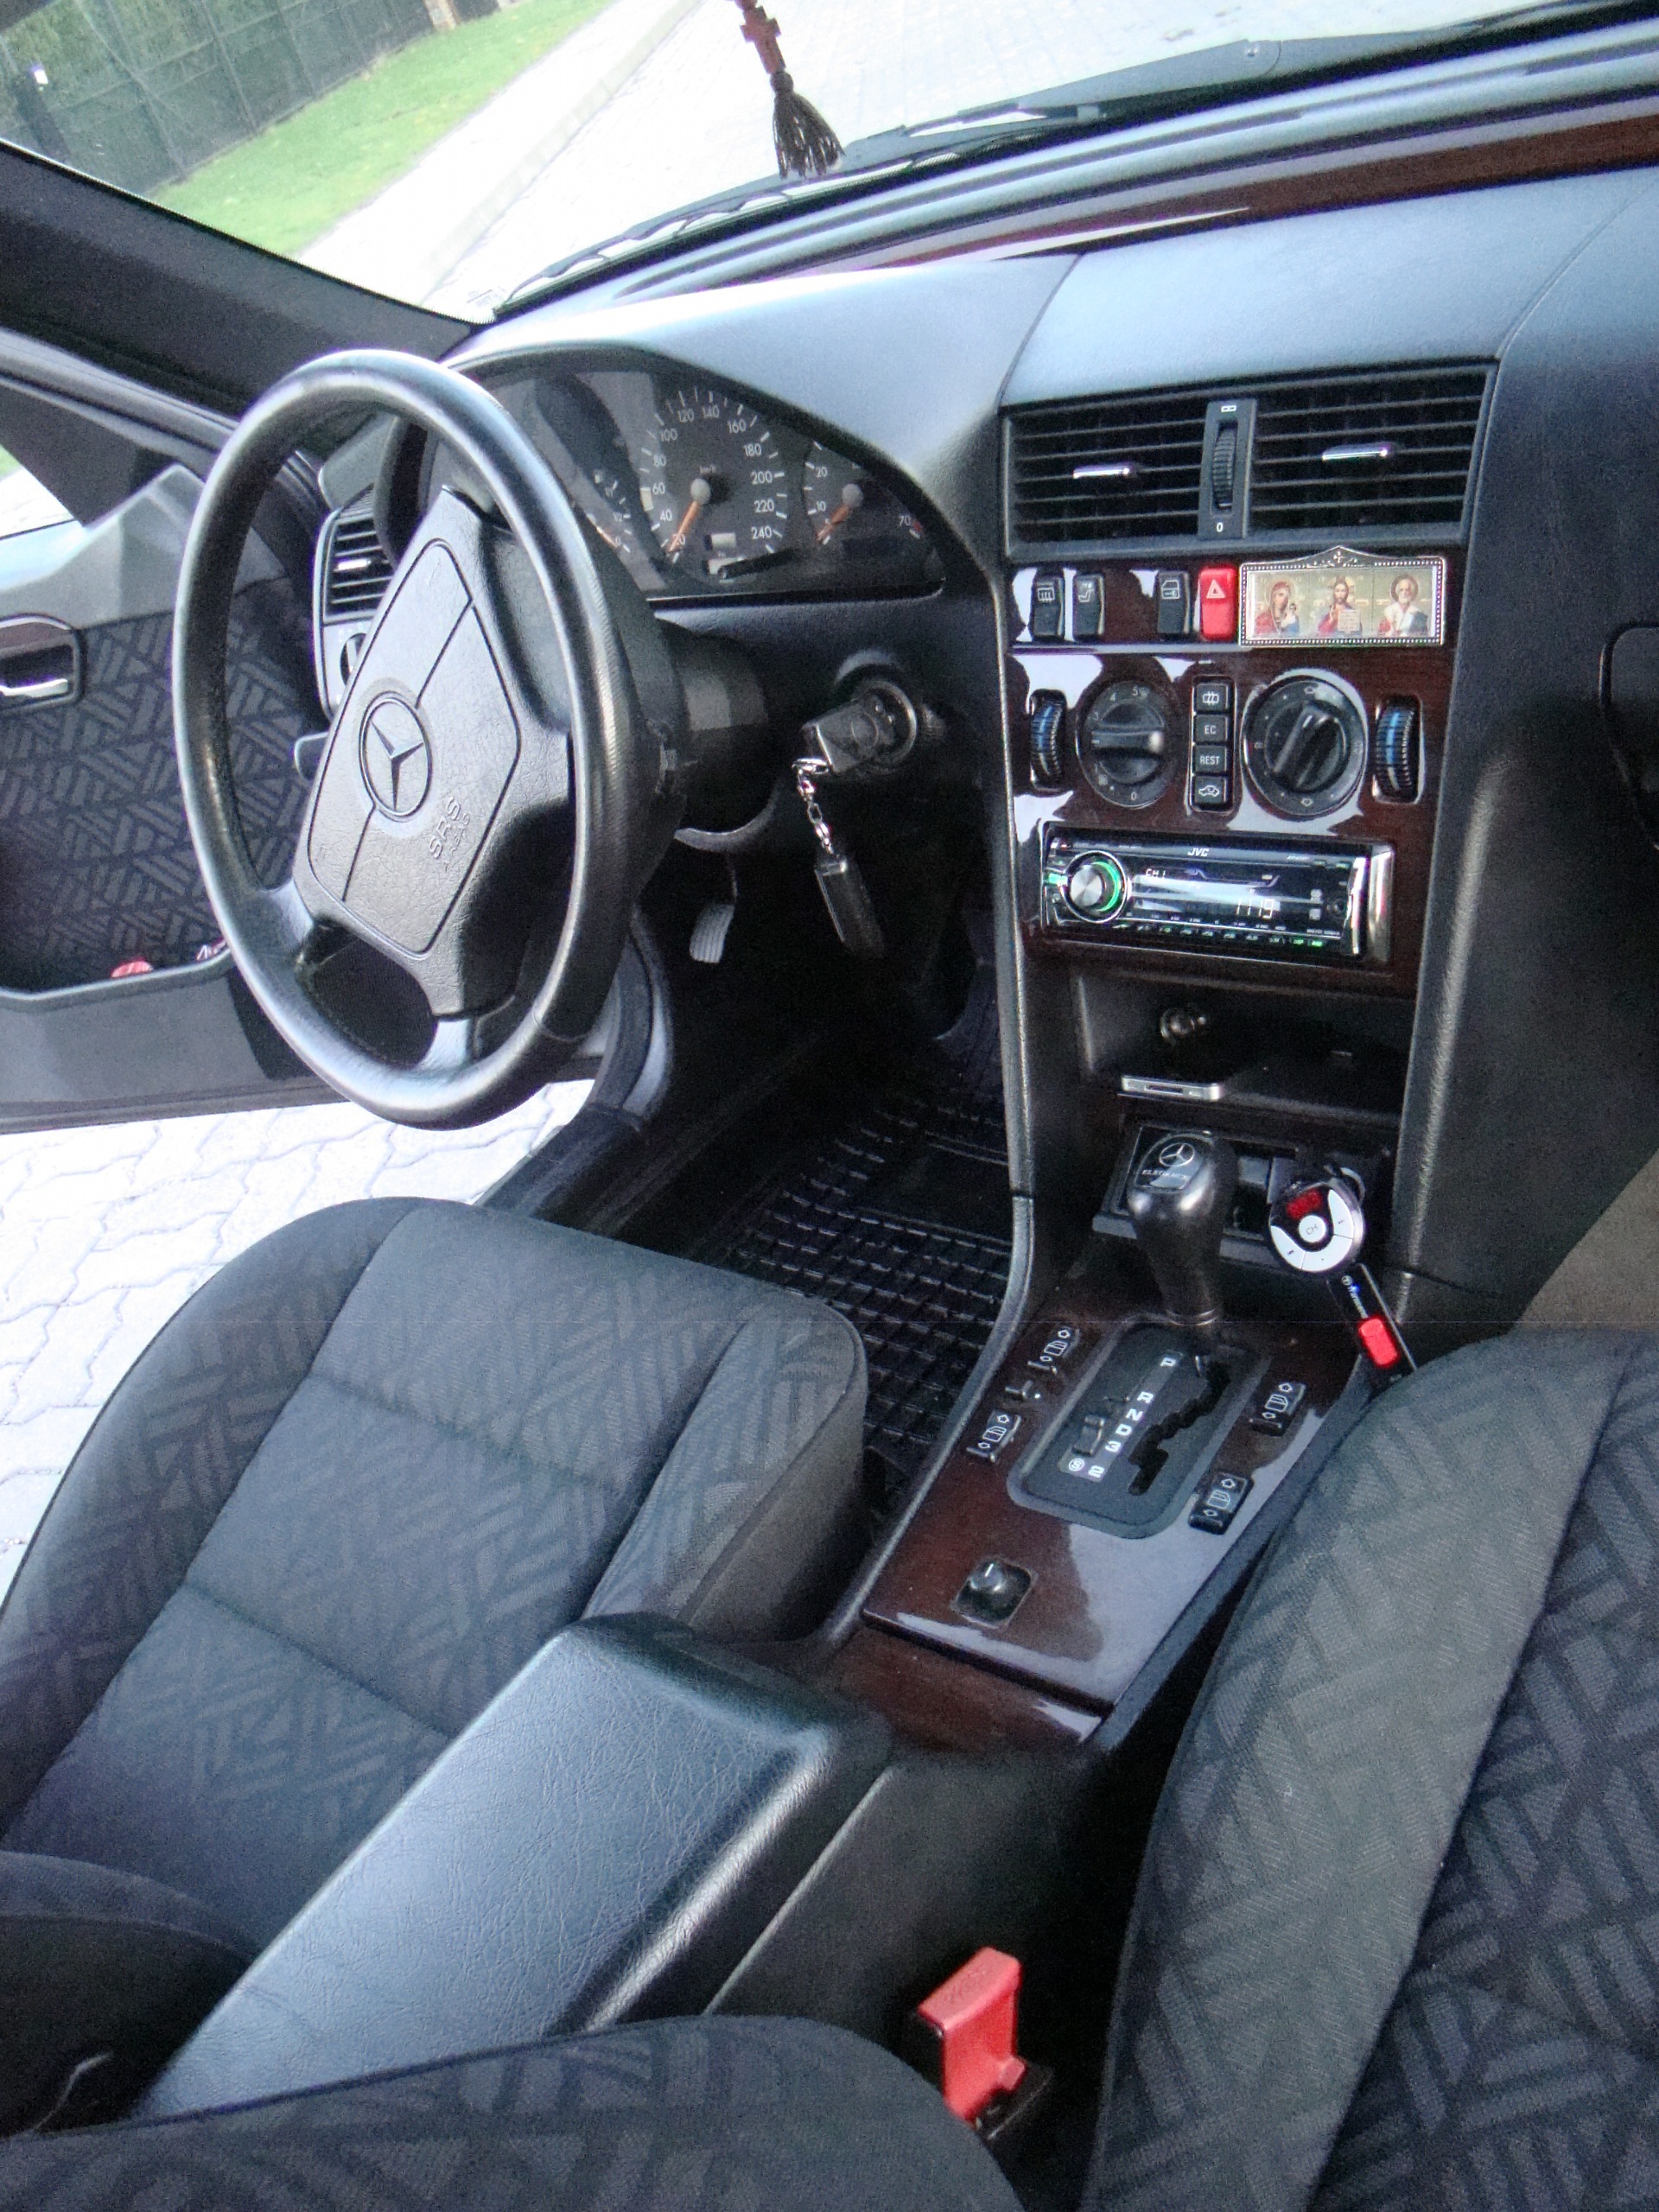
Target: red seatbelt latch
970 2022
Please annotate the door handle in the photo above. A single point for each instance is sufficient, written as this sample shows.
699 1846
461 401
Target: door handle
39 661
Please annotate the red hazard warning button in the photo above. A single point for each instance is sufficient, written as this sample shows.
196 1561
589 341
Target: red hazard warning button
1218 603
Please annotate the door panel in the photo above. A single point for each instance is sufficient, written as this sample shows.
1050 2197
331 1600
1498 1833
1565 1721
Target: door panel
131 341
97 870
96 866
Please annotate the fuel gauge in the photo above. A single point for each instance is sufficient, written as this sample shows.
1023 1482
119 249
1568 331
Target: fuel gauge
848 512
600 481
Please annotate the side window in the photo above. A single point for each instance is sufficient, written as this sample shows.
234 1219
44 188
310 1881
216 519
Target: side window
25 503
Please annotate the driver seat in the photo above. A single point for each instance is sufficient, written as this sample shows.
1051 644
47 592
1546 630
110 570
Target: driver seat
346 1495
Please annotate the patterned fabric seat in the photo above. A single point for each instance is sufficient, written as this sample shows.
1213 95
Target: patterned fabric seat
346 1494
1396 1940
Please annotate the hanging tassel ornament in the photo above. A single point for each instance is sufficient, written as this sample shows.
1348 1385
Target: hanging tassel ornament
806 145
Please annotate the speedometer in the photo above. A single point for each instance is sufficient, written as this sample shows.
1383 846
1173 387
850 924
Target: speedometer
712 484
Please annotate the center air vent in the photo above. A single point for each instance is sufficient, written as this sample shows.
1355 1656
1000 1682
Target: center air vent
1083 473
357 570
1352 453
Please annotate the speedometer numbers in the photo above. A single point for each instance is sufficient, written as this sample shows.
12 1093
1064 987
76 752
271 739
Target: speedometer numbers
713 486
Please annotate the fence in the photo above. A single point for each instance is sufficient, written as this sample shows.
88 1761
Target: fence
141 91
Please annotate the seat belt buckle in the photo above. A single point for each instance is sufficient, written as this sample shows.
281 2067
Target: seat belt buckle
962 2038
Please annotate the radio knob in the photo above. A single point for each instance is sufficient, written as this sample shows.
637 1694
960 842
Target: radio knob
1096 887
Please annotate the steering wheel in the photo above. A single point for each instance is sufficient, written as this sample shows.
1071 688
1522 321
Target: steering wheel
490 752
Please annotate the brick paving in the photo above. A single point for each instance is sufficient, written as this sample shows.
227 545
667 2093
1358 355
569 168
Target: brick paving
696 117
106 1232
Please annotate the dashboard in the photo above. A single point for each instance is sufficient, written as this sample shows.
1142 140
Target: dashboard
1399 714
700 493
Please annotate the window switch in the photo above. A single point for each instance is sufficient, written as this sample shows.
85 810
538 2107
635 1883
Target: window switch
1172 589
1277 1407
1216 1507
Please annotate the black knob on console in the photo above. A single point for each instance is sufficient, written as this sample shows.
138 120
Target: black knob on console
1125 744
1179 1196
1305 740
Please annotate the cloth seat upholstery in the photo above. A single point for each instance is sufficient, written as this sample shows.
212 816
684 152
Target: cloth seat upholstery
354 1486
705 2115
1397 1938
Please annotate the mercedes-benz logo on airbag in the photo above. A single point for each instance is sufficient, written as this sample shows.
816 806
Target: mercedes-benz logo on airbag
396 757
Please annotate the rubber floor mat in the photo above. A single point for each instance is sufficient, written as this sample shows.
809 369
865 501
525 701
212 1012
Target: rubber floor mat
901 1221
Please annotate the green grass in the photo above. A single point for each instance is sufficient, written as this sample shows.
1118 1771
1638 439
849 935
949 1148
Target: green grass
7 464
284 188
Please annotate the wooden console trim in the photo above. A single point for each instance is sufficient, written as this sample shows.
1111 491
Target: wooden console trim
934 1700
1100 1603
1377 673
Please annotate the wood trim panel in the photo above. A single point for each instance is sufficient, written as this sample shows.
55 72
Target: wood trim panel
1372 172
1378 673
1100 1603
935 1700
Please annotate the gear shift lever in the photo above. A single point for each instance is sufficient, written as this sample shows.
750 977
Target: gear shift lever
1179 1199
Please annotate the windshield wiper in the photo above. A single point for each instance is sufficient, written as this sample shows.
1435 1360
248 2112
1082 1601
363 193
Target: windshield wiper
1119 97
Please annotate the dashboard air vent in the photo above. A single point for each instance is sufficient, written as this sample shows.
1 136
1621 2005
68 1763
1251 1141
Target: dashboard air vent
358 570
1366 452
1085 471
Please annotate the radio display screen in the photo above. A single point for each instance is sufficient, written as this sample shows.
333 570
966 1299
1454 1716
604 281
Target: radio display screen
1231 898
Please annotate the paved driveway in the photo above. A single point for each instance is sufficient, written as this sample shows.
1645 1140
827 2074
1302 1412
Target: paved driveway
105 1233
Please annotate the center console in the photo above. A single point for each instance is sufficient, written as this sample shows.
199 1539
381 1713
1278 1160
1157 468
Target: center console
1222 786
1231 770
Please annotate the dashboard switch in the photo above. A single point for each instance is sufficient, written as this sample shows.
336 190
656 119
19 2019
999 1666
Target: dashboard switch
1048 605
1088 604
1218 603
1216 1508
1046 721
1172 592
1396 750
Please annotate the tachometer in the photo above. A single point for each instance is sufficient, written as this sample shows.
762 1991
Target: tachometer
848 510
712 484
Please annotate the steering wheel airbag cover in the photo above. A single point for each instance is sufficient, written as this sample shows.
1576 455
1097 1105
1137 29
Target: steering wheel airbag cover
432 699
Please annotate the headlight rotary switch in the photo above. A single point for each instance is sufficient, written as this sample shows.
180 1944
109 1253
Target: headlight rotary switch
1096 888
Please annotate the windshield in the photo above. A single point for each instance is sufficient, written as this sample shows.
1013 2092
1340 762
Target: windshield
447 151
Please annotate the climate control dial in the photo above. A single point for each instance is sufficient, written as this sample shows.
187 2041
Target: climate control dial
1305 743
1126 744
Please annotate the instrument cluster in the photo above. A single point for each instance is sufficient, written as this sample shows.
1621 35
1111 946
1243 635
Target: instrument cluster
700 494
